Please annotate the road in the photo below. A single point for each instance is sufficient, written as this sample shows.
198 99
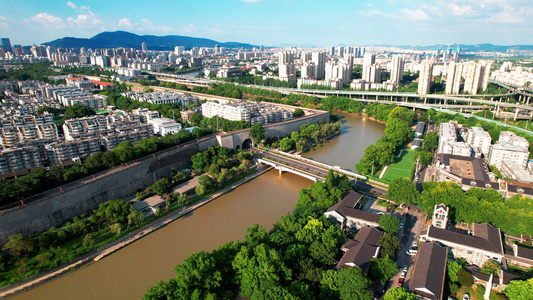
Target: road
413 220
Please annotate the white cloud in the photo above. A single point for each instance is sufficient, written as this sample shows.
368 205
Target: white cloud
48 20
368 4
74 6
3 23
251 1
85 19
125 22
415 15
461 10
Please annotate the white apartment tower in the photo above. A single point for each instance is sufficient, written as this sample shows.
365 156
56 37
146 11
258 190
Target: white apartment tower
319 59
509 147
398 66
368 60
477 76
144 47
454 74
424 80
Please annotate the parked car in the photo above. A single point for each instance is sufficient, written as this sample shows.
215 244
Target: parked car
466 297
400 281
412 252
401 225
402 274
404 269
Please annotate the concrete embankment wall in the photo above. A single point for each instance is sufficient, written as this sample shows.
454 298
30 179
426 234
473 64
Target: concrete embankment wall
53 208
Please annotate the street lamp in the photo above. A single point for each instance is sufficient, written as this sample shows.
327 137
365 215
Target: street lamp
372 168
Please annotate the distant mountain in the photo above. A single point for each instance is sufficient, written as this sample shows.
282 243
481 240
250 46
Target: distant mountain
130 40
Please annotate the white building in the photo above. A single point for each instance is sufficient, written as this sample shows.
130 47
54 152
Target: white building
425 78
164 126
479 139
398 66
509 147
477 76
230 112
454 73
446 134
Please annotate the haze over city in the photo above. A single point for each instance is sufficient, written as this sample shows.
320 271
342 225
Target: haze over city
278 22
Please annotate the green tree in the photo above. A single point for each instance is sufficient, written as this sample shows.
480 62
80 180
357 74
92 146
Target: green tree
382 269
257 133
403 190
353 284
162 186
389 223
452 270
286 144
399 293
464 278
425 157
19 244
298 113
490 267
431 141
389 245
519 290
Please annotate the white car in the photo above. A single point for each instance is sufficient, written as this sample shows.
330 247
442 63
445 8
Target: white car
466 297
402 275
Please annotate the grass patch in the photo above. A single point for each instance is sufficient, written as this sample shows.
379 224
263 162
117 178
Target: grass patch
402 167
477 292
382 203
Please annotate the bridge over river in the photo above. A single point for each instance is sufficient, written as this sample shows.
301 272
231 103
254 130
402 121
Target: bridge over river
313 170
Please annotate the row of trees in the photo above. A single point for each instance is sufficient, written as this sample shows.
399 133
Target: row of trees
291 261
308 132
397 133
41 71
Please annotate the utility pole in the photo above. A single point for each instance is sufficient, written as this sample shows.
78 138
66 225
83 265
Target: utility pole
372 168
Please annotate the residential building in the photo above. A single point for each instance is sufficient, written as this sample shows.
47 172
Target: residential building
287 69
360 250
21 158
164 126
319 60
186 115
485 243
426 76
145 114
398 67
6 45
226 111
429 272
229 72
80 149
447 134
479 139
345 213
453 78
477 76
86 127
509 147
372 74
466 171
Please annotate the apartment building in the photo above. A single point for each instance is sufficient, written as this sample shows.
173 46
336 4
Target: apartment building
509 147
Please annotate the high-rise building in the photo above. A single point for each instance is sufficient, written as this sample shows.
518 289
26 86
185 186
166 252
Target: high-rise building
286 58
319 59
368 60
424 80
305 56
144 47
453 77
398 66
6 44
372 74
477 76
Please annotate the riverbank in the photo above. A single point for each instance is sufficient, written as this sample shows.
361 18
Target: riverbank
123 241
313 146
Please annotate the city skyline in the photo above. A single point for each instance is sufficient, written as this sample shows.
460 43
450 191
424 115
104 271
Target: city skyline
278 23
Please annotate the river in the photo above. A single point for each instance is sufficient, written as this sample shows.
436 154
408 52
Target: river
127 273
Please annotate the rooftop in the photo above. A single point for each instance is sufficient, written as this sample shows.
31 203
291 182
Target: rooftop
430 268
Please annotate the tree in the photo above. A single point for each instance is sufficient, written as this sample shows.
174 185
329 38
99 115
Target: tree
389 245
389 223
286 144
353 284
452 269
257 133
403 190
19 244
196 118
490 267
162 186
519 290
298 113
425 157
382 269
431 142
464 278
399 293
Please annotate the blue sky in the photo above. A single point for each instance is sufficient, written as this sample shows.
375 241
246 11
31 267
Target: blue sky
277 22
